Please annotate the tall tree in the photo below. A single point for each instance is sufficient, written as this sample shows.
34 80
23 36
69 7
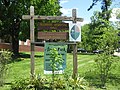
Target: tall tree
85 40
99 34
102 33
11 11
105 4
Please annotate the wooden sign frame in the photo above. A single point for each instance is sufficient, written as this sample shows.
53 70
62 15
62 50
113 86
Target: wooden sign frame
33 17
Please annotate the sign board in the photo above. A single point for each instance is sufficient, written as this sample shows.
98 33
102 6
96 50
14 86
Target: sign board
53 35
62 50
53 26
74 32
33 17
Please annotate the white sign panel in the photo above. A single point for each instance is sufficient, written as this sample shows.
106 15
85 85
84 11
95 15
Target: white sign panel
75 32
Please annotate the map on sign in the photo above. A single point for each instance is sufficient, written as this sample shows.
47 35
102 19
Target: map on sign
74 32
62 50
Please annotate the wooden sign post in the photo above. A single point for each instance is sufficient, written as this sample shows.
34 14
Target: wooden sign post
32 40
33 17
75 70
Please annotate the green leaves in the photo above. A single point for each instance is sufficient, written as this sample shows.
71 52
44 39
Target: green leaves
99 34
104 65
56 59
11 12
5 57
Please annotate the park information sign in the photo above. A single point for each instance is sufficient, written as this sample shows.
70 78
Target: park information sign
75 32
62 50
61 31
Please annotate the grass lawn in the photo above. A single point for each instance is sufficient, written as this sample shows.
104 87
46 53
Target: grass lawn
21 69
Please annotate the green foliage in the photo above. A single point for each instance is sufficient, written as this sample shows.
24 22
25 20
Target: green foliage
86 68
78 83
13 28
85 40
21 84
24 32
27 84
105 5
60 83
5 57
11 13
39 83
99 34
104 64
56 60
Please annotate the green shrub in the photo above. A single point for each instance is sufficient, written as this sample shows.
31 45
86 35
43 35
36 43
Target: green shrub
60 83
5 57
56 61
27 84
78 83
40 83
104 64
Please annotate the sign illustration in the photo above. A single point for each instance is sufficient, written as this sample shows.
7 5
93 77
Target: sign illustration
62 50
75 32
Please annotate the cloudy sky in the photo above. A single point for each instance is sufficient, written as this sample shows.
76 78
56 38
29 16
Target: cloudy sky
81 6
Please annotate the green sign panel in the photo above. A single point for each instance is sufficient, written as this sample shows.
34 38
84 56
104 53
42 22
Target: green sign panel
62 50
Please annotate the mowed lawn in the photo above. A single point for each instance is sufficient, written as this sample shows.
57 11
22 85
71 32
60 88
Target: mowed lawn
21 68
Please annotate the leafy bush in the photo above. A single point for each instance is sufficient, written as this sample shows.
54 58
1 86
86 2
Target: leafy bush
104 64
40 83
60 83
21 84
5 57
56 61
26 84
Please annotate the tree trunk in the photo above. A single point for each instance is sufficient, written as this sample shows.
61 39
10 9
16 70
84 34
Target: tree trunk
15 45
15 39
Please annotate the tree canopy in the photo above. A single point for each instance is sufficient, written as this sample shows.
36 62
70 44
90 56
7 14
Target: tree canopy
100 32
105 7
11 24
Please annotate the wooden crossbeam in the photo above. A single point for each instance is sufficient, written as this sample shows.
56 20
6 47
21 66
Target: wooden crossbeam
64 18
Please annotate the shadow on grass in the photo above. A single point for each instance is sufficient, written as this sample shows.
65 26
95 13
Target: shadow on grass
94 79
23 55
82 53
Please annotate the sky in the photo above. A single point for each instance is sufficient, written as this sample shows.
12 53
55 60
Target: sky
81 6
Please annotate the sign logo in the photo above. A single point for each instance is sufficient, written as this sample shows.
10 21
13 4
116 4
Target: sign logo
75 32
